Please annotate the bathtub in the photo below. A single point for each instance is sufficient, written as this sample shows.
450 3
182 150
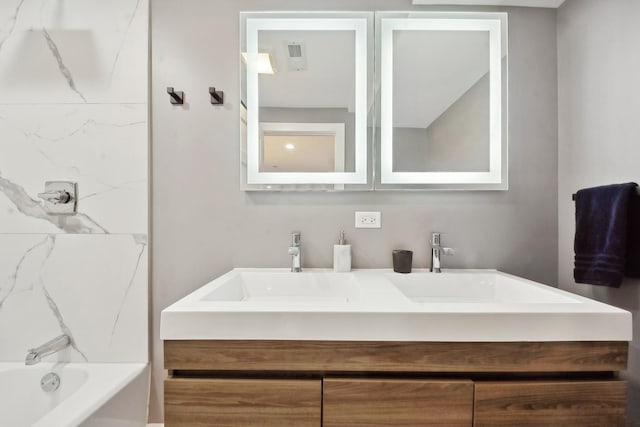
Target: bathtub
89 395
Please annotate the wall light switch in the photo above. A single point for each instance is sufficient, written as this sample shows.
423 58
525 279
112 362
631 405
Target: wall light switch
368 220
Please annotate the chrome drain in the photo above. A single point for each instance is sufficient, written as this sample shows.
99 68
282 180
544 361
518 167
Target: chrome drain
50 382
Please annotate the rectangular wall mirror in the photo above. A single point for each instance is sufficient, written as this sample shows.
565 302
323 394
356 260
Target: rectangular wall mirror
443 100
310 119
306 94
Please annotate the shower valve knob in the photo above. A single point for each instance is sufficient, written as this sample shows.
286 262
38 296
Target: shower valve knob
60 197
56 197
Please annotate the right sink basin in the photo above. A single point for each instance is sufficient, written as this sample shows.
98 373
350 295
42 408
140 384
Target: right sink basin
473 287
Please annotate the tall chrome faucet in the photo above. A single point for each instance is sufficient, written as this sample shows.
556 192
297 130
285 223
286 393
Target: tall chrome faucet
436 252
296 252
34 355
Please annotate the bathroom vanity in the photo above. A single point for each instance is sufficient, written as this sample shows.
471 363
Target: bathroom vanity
372 347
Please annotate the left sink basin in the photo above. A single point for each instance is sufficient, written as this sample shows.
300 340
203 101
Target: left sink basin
279 286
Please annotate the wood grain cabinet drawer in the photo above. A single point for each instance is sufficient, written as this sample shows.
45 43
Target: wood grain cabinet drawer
550 403
387 402
191 402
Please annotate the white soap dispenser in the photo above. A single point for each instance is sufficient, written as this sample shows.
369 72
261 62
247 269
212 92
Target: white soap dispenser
341 255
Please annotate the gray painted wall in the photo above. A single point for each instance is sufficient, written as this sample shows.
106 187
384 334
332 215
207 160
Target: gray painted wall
410 149
203 225
599 131
457 140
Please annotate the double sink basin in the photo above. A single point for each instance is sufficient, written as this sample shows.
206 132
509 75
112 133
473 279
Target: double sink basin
455 305
325 286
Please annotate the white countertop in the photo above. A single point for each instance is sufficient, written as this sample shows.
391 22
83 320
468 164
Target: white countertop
473 306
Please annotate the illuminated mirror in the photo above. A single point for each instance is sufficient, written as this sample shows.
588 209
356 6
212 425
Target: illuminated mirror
442 100
306 94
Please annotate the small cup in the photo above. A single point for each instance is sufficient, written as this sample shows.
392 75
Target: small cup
402 260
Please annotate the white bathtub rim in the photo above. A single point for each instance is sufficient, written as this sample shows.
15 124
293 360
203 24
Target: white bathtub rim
104 381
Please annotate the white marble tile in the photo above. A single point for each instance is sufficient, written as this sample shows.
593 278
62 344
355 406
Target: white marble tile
73 51
92 287
102 147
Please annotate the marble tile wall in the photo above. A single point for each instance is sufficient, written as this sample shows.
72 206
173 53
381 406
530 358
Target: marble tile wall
73 106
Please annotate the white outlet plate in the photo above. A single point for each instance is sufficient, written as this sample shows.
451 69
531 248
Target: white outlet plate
368 220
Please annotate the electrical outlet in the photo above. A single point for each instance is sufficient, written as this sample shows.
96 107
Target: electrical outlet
368 220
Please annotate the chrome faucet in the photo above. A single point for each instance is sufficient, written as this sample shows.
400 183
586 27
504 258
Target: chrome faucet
296 252
34 355
436 252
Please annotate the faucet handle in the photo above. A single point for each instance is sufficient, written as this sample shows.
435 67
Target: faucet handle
448 251
55 197
296 236
435 238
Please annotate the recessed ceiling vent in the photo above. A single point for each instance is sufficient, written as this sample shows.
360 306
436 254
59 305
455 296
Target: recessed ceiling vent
295 50
296 56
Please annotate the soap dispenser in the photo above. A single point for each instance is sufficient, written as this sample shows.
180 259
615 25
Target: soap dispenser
341 255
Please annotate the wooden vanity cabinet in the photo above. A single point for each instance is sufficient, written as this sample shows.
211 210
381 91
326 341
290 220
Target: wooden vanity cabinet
361 383
242 402
550 403
396 402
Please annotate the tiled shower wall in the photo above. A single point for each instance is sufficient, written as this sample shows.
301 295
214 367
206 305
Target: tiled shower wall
73 106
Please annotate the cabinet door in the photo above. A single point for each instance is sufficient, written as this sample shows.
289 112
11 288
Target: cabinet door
382 402
550 403
202 402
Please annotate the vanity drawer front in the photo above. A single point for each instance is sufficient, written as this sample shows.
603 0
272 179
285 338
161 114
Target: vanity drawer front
388 402
191 402
550 403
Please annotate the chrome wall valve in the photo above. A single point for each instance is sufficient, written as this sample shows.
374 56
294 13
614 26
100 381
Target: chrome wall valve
60 197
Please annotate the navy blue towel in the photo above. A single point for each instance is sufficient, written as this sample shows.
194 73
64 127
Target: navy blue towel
603 245
632 267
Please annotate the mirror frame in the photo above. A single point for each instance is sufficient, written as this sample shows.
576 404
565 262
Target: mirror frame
496 25
255 22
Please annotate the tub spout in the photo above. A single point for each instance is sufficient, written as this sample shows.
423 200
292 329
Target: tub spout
34 355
